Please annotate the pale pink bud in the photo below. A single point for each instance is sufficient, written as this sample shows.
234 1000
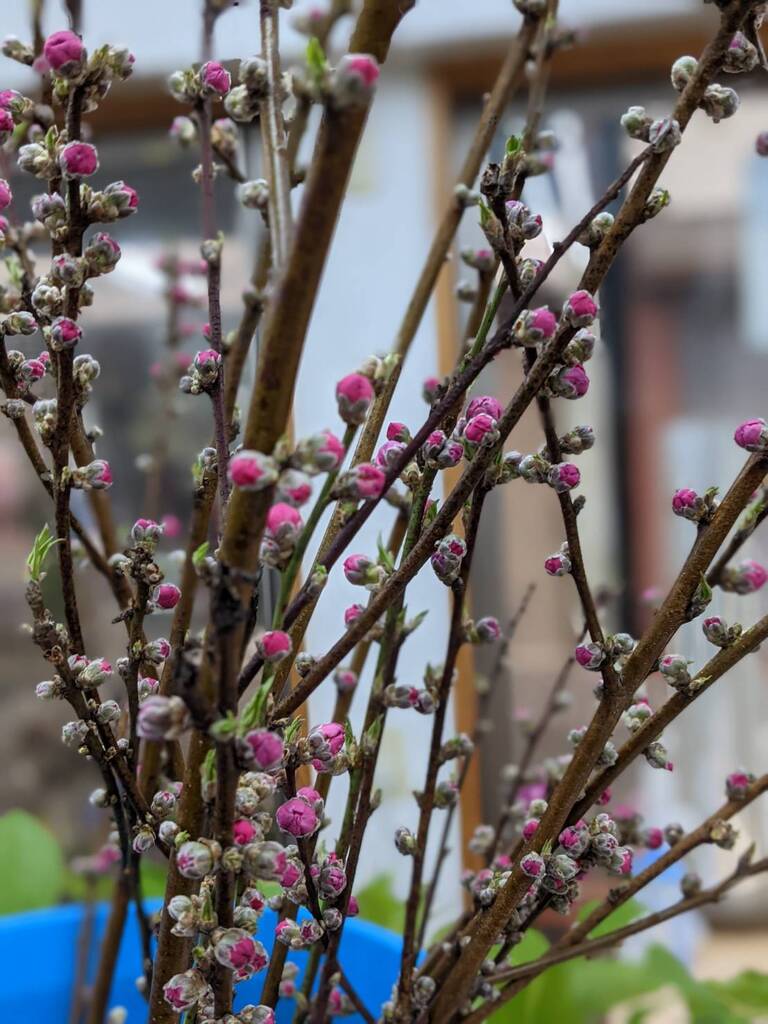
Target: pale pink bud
262 748
252 470
353 612
5 194
354 394
430 390
355 79
240 952
580 309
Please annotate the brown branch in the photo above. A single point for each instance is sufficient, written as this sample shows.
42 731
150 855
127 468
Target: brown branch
653 727
456 638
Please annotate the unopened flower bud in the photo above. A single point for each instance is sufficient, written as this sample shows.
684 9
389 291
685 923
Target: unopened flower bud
354 80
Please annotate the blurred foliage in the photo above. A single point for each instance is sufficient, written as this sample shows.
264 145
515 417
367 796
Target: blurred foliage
35 872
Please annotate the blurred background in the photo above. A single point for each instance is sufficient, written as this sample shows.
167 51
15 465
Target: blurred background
683 358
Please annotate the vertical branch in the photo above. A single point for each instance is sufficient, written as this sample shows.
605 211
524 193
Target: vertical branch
273 138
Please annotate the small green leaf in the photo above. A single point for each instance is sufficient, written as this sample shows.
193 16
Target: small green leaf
316 62
293 727
254 710
200 554
41 548
513 145
208 768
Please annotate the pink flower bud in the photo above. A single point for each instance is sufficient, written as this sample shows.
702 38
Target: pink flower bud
354 394
529 828
752 435
488 629
686 503
239 951
484 404
252 470
353 612
292 875
580 309
146 531
78 160
243 832
389 453
737 784
745 578
171 525
480 428
653 838
297 818
345 679
64 52
558 565
534 326
101 476
590 656
430 390
325 741
398 432
532 865
162 718
262 748
166 596
570 382
5 194
312 797
216 80
274 646
563 476
761 144
65 334
294 487
357 569
182 991
355 79
283 520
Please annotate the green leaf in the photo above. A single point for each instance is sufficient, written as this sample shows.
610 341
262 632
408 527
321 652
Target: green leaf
623 915
253 712
513 145
316 62
31 864
200 554
379 904
747 993
41 548
293 728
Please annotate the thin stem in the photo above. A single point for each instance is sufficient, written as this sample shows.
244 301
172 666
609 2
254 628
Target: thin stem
273 136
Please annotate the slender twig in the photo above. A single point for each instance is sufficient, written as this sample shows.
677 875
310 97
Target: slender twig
273 136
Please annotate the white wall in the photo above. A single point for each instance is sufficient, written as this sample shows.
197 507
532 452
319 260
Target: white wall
167 33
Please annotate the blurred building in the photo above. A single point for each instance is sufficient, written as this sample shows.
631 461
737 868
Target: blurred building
683 358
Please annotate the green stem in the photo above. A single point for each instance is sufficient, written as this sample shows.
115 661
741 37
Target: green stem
291 571
489 316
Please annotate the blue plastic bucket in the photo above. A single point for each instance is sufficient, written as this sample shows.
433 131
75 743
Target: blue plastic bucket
38 951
